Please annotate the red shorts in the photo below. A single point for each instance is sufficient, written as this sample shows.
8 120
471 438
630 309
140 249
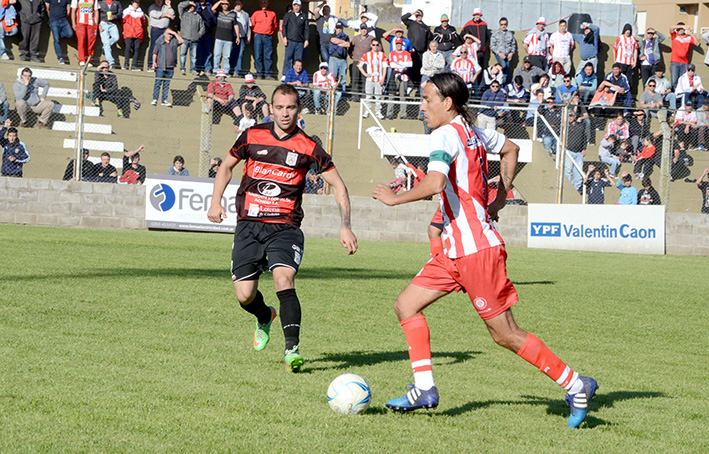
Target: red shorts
482 275
437 220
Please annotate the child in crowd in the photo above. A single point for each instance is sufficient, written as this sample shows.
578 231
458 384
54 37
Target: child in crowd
246 121
596 186
645 160
605 153
648 195
628 194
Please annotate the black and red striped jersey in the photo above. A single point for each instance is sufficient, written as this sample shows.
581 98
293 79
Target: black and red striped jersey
273 181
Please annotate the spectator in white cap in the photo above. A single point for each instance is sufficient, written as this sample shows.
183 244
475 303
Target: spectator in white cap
536 43
250 93
478 28
324 83
220 97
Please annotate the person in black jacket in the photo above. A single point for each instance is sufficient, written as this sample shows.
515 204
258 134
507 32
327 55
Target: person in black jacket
87 168
105 88
131 163
448 39
478 28
576 143
295 35
32 13
648 195
419 35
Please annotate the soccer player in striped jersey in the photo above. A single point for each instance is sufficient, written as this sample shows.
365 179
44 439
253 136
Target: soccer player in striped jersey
474 256
277 157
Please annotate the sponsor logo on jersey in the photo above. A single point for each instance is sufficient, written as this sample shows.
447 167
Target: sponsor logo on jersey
292 158
480 303
269 189
263 152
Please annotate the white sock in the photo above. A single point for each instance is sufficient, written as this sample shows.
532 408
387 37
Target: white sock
424 380
575 385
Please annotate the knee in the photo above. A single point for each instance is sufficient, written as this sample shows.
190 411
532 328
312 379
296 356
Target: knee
244 296
509 338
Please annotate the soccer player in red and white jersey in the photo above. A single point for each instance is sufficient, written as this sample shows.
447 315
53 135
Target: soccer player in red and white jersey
277 157
561 43
474 256
536 43
625 52
324 81
376 64
84 21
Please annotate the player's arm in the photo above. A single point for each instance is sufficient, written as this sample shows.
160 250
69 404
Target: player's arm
342 197
216 212
508 167
432 184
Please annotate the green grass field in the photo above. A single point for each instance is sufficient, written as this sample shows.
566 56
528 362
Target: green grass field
117 341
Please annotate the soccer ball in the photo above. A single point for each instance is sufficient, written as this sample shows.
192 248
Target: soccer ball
349 394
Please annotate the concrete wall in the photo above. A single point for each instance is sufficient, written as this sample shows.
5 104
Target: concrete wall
118 206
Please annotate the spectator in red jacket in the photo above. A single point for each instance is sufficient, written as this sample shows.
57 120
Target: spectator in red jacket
478 28
133 33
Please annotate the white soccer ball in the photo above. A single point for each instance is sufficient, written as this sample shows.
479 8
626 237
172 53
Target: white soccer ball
349 394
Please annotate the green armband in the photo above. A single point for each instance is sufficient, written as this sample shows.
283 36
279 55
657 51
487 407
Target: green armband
441 155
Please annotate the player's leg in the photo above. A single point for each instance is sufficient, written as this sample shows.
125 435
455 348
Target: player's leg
580 389
247 259
284 249
429 285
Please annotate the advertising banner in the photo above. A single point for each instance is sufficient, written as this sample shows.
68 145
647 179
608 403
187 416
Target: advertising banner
181 203
637 229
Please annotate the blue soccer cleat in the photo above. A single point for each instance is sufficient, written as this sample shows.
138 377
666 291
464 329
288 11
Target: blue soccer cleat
579 401
415 398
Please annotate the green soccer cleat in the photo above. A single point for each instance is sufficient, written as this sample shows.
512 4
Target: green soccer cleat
262 334
294 362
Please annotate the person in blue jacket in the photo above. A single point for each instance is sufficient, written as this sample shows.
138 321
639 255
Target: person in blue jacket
628 194
588 45
14 152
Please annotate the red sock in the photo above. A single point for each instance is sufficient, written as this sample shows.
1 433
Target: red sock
419 340
535 352
436 246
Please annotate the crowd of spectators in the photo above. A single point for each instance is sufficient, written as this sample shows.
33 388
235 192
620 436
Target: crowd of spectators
216 33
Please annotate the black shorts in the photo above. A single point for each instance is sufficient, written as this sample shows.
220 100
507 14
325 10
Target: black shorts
260 246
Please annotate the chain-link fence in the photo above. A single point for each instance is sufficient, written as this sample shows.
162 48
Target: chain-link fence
176 122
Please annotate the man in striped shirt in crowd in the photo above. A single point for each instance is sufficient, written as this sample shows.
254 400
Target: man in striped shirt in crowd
561 43
625 51
324 82
376 64
466 68
536 43
474 256
400 62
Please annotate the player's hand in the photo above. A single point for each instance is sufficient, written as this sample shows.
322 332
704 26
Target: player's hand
348 240
591 167
494 208
384 194
216 214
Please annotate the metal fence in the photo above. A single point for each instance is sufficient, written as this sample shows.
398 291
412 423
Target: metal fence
376 138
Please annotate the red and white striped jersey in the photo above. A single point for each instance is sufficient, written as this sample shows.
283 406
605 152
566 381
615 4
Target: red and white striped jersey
625 47
537 43
563 43
400 61
326 81
465 68
377 64
85 10
683 115
459 151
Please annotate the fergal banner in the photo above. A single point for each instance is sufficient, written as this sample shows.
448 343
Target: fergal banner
637 229
181 203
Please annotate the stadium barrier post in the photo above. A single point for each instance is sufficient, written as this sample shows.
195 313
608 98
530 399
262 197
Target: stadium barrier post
562 156
665 164
79 155
205 134
332 109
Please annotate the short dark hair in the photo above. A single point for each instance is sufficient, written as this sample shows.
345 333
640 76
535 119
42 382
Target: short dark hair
567 76
627 178
249 107
647 181
612 137
503 18
616 65
26 69
297 60
680 23
179 159
11 130
562 21
286 89
105 153
519 80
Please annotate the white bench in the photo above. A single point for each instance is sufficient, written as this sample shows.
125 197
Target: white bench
89 128
52 74
96 145
59 92
89 111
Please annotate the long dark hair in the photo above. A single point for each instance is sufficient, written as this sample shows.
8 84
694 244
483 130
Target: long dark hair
451 85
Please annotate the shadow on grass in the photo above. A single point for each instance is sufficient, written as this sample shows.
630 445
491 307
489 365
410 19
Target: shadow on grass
220 273
558 407
353 359
518 283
